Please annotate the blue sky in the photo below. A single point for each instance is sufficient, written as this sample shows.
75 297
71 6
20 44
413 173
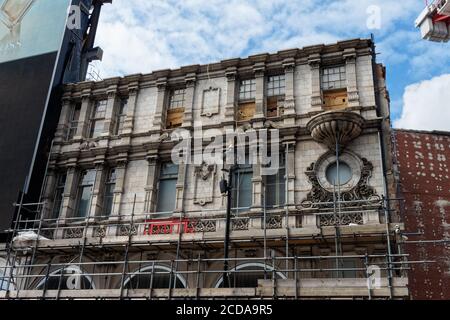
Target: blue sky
159 34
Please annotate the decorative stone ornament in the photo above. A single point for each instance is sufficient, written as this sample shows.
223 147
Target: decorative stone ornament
204 183
336 128
323 193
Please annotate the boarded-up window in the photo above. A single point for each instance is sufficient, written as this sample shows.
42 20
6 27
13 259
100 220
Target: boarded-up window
335 99
98 118
175 112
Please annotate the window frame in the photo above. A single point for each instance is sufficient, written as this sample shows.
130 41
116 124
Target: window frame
174 102
241 169
108 192
340 83
80 190
280 184
166 177
60 188
97 117
247 89
121 116
74 120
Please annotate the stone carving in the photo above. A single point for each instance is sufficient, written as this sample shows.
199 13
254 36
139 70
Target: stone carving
274 222
88 145
344 219
203 226
74 233
240 224
204 183
127 230
100 232
336 128
210 102
319 197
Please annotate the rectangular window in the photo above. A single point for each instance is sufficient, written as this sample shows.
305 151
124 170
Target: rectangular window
85 189
59 195
167 188
242 188
334 78
276 186
120 117
276 86
177 98
98 118
108 197
175 112
73 122
275 95
247 89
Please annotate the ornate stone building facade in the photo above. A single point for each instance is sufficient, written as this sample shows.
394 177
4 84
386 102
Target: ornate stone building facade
120 219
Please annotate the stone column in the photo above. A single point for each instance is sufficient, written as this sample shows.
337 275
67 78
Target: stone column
189 100
181 181
128 125
61 130
152 177
259 69
111 110
289 100
160 116
352 85
85 113
230 109
314 61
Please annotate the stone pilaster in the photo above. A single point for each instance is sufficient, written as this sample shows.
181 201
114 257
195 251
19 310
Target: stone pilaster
61 130
230 109
159 119
121 170
133 91
85 113
289 100
259 69
314 61
49 192
70 194
180 187
189 100
352 85
111 110
97 192
257 186
150 188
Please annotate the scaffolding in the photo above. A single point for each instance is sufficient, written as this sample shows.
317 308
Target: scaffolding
290 274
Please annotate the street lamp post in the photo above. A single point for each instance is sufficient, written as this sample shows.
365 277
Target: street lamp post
227 186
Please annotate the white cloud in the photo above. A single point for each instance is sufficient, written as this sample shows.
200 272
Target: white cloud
142 35
426 105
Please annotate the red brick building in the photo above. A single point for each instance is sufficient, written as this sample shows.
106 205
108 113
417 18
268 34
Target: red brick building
423 171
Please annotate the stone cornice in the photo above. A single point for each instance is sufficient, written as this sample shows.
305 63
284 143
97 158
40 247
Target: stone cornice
276 60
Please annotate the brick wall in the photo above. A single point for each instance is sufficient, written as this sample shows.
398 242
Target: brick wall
423 163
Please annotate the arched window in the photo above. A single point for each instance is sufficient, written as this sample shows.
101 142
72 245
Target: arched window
69 278
248 274
159 277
